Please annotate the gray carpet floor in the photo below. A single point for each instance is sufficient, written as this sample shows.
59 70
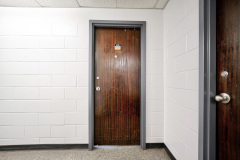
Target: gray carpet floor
99 153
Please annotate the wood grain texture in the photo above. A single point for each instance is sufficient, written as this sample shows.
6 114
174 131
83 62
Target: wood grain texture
228 59
117 104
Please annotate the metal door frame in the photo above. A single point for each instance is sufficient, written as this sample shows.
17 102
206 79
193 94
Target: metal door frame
117 24
207 80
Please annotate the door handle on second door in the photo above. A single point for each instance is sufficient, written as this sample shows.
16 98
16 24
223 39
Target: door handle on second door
223 97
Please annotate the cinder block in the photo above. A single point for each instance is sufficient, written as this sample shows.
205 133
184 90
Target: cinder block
76 93
25 55
192 120
51 42
156 118
9 132
155 68
19 68
4 142
64 80
179 12
26 141
76 140
193 79
190 21
82 80
51 68
19 42
36 106
157 56
24 106
64 55
37 131
177 48
76 118
14 119
19 93
8 106
82 105
51 93
64 105
188 61
51 118
24 29
169 66
52 140
25 80
82 131
76 42
83 29
157 130
177 80
154 139
66 131
155 93
157 81
82 55
193 39
76 68
64 29
155 105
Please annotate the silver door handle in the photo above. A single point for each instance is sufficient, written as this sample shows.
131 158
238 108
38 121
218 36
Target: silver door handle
223 97
98 88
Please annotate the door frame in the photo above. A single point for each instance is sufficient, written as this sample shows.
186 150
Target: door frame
117 24
207 80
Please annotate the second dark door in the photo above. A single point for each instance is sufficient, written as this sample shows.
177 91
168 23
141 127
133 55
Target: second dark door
117 86
228 79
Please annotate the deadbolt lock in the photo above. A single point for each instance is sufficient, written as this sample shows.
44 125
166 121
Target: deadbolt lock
98 88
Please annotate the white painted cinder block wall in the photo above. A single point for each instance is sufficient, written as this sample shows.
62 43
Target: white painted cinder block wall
181 24
44 73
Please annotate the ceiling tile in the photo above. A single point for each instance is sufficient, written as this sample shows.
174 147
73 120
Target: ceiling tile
161 4
145 3
125 3
58 3
86 3
19 3
98 3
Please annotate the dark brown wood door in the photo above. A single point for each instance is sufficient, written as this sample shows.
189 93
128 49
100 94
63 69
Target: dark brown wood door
228 59
117 73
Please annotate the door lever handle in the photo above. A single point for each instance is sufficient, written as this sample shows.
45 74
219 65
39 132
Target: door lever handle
223 97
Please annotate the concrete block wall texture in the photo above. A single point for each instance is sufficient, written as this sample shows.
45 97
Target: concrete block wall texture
44 73
181 37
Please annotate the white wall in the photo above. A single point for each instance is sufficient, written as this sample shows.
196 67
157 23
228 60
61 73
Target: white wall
44 73
181 25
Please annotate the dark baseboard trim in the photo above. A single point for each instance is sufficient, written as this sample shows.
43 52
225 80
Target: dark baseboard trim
160 145
155 145
169 153
43 147
72 146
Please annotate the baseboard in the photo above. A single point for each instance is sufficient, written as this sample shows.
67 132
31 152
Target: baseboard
160 145
73 146
169 153
155 145
43 147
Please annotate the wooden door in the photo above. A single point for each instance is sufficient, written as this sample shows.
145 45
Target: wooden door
228 59
117 73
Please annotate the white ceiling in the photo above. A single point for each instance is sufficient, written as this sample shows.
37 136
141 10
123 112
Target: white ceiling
148 4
